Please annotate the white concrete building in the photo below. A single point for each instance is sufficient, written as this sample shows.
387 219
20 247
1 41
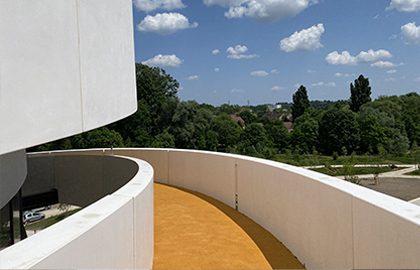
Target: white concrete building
68 67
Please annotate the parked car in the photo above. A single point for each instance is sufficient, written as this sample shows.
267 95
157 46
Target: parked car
41 208
32 216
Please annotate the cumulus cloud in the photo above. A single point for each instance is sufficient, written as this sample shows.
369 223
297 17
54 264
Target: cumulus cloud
237 52
275 71
263 11
216 69
194 77
277 88
305 40
259 73
164 61
405 5
215 51
411 34
391 71
165 23
345 58
235 90
150 5
330 84
385 64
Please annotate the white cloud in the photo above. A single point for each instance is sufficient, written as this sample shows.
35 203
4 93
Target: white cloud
275 71
215 51
165 23
393 37
217 69
330 84
259 73
417 79
405 5
297 85
263 11
150 5
305 40
391 71
235 90
411 34
390 79
345 58
376 17
338 74
194 77
311 71
382 64
164 61
385 64
237 52
277 88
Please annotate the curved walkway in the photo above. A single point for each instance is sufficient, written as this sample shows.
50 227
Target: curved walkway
194 231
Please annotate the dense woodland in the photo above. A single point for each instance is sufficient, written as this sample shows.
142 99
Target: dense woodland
387 125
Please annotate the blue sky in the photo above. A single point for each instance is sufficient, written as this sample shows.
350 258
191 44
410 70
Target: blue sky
262 50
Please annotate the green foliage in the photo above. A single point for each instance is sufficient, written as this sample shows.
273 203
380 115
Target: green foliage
360 93
335 155
228 131
248 116
338 128
372 134
163 140
350 174
188 122
344 151
300 102
305 135
252 135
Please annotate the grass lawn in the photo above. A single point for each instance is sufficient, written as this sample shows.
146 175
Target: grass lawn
357 170
42 224
414 173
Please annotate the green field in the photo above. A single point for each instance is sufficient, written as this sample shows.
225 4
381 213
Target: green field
357 170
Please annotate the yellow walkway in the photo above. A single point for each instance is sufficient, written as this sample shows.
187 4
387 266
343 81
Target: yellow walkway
194 231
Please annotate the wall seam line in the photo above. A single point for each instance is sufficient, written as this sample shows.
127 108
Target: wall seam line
80 66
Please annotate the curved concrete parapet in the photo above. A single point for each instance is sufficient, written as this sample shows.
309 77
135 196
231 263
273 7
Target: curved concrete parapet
12 175
115 232
326 222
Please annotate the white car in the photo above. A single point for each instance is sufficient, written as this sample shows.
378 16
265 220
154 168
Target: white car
32 216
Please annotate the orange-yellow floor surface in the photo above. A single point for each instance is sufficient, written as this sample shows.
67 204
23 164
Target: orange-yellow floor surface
194 231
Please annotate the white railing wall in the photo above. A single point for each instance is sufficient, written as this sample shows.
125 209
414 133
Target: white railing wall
115 232
325 222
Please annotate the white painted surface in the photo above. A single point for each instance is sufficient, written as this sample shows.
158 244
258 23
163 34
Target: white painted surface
12 175
115 232
65 67
326 222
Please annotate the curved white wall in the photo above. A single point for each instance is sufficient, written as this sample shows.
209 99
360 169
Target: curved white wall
12 175
326 222
65 67
115 232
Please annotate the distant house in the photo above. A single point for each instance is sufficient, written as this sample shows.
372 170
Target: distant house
279 116
289 126
238 119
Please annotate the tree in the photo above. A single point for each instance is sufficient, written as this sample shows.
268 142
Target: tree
228 131
248 116
305 136
188 122
338 128
300 102
252 135
360 93
372 134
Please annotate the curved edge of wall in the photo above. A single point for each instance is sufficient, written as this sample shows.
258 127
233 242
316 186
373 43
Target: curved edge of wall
326 222
13 169
114 232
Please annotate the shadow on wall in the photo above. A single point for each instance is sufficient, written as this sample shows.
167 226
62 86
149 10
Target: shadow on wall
277 255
